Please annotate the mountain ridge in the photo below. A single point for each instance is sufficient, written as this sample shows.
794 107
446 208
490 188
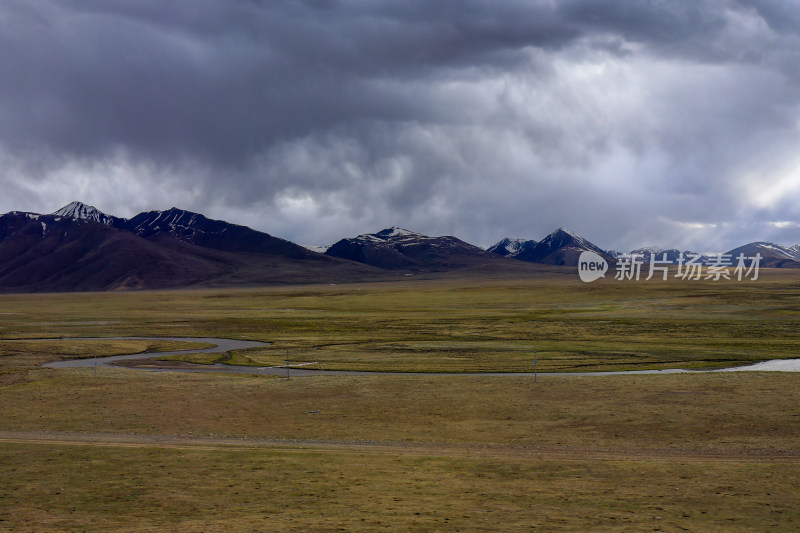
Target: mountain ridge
550 251
79 247
559 248
397 248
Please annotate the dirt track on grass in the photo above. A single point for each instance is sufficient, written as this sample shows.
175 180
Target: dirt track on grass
575 453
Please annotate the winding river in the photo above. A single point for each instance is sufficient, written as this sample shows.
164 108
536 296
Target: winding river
226 345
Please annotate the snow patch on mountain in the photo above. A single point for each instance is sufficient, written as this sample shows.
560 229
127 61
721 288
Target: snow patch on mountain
180 223
394 231
777 248
393 235
318 249
509 247
397 248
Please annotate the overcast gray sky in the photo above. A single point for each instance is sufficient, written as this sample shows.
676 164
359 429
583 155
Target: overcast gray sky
632 122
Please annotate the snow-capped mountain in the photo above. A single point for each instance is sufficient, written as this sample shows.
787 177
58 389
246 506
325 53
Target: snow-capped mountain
398 248
199 230
510 247
81 248
767 249
61 253
81 211
773 255
561 247
189 227
395 233
175 221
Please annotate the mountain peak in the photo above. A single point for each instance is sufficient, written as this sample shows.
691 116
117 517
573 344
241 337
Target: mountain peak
395 231
510 246
563 235
561 247
81 211
561 230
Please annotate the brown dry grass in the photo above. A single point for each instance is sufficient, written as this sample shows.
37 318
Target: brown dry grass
703 452
689 411
62 487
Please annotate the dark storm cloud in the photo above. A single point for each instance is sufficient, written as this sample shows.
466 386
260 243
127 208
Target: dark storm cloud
651 21
224 79
317 119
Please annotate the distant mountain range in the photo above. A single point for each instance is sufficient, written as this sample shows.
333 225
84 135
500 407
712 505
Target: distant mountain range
562 247
79 248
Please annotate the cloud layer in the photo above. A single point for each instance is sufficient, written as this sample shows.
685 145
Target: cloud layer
663 123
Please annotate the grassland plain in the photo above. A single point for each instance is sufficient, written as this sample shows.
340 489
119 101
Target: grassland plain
668 452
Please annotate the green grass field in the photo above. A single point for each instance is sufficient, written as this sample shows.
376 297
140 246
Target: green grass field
449 325
140 451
